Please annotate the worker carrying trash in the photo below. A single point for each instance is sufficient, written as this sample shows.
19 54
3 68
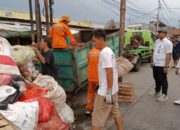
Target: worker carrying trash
60 34
93 59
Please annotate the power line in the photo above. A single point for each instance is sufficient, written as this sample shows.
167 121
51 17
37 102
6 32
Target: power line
109 8
89 10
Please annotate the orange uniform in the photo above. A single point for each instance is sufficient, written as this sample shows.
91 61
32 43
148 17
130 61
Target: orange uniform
92 76
59 32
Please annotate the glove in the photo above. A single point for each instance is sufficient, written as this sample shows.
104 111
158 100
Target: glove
108 97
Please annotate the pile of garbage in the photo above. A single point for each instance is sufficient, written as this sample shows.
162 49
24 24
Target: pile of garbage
28 99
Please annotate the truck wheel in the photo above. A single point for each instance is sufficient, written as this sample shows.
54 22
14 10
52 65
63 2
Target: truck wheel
137 65
149 59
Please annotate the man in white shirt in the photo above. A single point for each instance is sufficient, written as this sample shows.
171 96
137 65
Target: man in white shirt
161 60
106 101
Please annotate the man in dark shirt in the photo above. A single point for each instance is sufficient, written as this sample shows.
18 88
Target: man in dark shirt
46 58
176 50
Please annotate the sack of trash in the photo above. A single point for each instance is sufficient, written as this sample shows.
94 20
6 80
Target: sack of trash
8 95
5 79
24 115
5 47
55 123
22 54
29 71
67 114
56 93
124 66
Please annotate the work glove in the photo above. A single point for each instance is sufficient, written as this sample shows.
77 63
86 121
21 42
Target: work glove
108 97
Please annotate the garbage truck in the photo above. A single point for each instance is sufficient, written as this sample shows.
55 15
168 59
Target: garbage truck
72 62
139 46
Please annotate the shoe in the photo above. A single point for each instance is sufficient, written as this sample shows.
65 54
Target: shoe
177 102
162 98
155 94
88 112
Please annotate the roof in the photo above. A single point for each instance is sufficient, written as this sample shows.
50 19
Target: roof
7 30
174 31
9 14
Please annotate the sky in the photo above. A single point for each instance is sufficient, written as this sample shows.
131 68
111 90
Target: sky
100 11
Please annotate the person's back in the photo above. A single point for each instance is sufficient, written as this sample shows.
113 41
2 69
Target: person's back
93 59
49 67
60 32
93 64
58 36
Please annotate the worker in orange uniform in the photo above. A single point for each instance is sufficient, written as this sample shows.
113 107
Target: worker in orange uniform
93 59
60 32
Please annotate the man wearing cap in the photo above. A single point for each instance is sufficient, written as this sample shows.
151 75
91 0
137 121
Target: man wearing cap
60 32
161 60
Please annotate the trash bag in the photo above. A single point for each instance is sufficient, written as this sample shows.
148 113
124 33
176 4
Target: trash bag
33 92
124 66
8 66
5 79
6 91
56 93
14 97
45 109
67 114
55 123
23 115
22 54
8 95
29 71
5 47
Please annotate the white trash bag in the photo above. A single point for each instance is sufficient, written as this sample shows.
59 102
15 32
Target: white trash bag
5 47
6 91
23 115
67 114
22 54
56 93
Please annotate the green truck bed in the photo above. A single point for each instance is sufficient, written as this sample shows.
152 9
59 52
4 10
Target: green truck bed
72 63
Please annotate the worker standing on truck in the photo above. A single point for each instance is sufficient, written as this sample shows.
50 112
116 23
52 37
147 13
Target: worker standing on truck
93 58
106 100
60 34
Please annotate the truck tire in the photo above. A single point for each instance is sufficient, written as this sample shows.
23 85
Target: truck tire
150 59
137 65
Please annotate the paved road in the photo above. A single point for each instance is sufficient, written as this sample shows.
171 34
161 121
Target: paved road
145 113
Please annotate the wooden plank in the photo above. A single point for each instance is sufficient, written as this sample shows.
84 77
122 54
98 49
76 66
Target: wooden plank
3 122
125 93
127 89
126 100
7 128
125 97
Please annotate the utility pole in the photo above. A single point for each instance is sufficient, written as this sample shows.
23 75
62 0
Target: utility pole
51 2
31 21
158 15
122 26
46 2
38 22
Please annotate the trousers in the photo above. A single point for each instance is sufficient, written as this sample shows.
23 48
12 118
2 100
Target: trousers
160 78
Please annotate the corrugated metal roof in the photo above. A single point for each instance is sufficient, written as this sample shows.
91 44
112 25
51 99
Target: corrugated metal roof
7 31
25 16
